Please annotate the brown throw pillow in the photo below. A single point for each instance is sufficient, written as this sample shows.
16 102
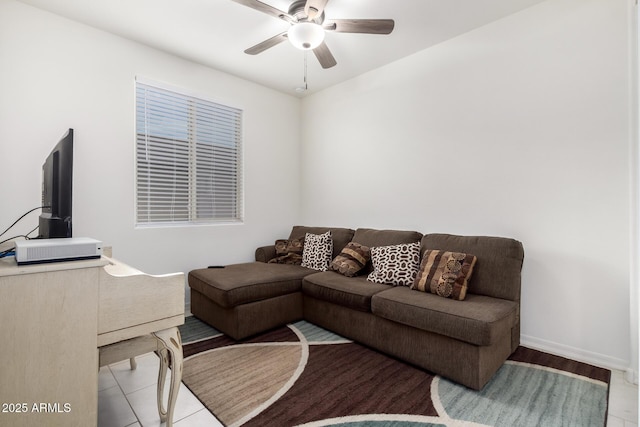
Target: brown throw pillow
286 247
445 273
351 259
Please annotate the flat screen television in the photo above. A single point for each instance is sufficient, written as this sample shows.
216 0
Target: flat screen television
57 183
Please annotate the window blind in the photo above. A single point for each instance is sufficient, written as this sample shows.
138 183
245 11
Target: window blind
188 159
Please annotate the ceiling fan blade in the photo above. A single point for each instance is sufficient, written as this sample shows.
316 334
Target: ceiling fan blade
265 8
314 8
261 47
368 26
324 56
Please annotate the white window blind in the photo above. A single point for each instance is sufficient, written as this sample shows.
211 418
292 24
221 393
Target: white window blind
188 159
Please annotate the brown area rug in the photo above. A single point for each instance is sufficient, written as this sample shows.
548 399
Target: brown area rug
303 375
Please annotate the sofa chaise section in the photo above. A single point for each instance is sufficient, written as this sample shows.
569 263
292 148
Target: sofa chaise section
241 300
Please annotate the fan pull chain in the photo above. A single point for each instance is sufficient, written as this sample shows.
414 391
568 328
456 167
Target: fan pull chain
301 89
305 71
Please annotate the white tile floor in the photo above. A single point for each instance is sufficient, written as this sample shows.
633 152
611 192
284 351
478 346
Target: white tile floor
623 402
128 398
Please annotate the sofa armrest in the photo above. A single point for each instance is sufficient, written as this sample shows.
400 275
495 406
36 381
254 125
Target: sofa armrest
265 253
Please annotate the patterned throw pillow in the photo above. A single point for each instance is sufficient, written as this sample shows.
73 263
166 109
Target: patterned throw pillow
288 252
286 247
317 252
352 259
396 264
445 273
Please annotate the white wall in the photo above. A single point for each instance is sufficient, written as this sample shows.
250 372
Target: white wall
56 74
634 160
518 129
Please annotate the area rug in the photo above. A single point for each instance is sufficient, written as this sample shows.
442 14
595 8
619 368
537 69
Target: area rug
302 375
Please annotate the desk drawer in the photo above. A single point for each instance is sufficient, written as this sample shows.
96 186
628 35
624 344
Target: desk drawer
132 303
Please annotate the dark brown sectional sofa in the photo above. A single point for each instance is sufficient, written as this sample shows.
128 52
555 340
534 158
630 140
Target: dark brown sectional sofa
465 341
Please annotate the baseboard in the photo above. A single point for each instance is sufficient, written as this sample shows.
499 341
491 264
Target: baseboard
580 355
631 376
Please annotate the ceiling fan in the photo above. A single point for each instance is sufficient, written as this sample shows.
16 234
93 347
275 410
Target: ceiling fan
308 26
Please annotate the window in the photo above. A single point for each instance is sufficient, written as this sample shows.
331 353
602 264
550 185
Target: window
188 159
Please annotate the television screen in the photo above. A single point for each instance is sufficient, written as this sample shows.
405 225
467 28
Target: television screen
57 182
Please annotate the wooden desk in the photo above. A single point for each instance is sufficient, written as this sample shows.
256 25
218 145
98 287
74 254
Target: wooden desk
53 318
139 313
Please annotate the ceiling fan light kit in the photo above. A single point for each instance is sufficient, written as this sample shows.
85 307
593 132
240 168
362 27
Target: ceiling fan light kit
308 26
306 35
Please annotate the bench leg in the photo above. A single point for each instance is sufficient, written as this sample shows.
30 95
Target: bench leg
169 345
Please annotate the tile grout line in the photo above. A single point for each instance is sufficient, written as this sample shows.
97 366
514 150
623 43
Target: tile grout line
155 385
127 399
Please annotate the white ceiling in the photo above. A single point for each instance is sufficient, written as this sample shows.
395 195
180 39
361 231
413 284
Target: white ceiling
215 33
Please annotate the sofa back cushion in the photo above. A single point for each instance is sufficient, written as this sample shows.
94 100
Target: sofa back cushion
340 236
371 238
497 271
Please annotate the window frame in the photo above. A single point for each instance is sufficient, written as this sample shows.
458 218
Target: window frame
192 205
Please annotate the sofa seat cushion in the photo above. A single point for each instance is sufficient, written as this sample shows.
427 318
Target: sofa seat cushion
352 292
478 320
249 282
